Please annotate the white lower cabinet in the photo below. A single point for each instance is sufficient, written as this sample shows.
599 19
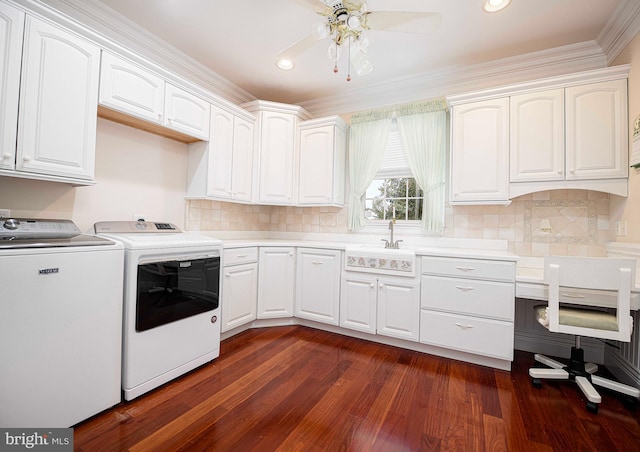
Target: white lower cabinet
276 282
398 308
358 302
318 285
239 287
468 305
380 305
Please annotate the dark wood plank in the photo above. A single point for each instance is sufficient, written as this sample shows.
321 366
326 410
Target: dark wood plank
296 388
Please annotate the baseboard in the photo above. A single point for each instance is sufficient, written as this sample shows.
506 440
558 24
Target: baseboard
624 371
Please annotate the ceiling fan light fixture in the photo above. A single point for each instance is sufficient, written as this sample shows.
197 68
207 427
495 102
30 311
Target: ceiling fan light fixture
492 6
285 64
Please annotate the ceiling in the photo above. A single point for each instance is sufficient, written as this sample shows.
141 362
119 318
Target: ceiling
240 39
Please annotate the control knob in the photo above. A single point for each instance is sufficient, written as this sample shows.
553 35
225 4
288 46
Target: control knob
11 224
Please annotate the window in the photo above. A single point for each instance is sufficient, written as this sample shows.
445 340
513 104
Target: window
398 198
394 192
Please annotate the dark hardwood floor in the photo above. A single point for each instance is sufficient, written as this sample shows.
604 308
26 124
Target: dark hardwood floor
300 389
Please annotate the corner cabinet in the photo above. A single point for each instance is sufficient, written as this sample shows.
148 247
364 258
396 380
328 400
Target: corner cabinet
276 279
322 162
318 285
56 74
276 147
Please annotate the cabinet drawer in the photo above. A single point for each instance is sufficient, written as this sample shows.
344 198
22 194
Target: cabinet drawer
467 296
469 268
492 338
234 256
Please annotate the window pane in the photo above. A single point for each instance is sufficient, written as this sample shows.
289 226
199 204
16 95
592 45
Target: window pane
414 209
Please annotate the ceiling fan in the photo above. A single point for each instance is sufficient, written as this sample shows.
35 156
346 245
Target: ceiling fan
345 22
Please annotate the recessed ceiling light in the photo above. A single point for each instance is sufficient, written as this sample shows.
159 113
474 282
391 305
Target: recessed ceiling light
284 64
491 6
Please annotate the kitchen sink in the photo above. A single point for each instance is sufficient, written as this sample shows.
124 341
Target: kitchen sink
376 259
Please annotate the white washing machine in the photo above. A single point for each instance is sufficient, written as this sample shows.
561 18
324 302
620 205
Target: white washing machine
60 323
171 321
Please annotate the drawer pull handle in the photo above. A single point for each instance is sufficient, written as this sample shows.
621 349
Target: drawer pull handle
572 295
463 326
242 256
465 269
316 262
465 289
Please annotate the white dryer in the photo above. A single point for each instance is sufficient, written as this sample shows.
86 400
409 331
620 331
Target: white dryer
171 318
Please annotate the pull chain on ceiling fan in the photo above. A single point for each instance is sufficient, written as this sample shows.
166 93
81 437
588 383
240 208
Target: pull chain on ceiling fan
345 24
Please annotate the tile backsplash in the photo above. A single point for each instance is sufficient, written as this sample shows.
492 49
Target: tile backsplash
563 222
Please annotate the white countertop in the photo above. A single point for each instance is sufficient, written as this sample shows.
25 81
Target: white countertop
529 270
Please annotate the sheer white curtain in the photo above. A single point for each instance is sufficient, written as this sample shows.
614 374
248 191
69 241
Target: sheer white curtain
368 136
423 131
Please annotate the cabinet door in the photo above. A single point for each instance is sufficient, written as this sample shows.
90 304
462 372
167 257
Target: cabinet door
186 113
316 166
220 154
277 154
399 308
58 102
318 285
130 89
239 295
597 124
276 282
11 29
358 299
537 136
242 170
480 151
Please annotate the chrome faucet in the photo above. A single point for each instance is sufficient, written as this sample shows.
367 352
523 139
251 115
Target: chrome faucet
390 243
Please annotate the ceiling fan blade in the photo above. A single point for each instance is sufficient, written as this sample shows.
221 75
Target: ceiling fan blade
316 6
404 21
297 48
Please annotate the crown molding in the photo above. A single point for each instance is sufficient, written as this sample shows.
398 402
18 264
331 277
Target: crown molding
621 28
112 31
546 63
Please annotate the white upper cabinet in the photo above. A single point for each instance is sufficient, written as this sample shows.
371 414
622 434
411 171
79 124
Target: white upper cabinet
138 93
563 132
186 113
276 147
11 29
58 103
537 136
130 89
323 144
222 168
480 152
276 135
597 124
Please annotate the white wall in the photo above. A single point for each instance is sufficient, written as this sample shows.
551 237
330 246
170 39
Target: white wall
136 173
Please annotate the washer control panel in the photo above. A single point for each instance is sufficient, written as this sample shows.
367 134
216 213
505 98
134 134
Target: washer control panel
123 227
29 228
